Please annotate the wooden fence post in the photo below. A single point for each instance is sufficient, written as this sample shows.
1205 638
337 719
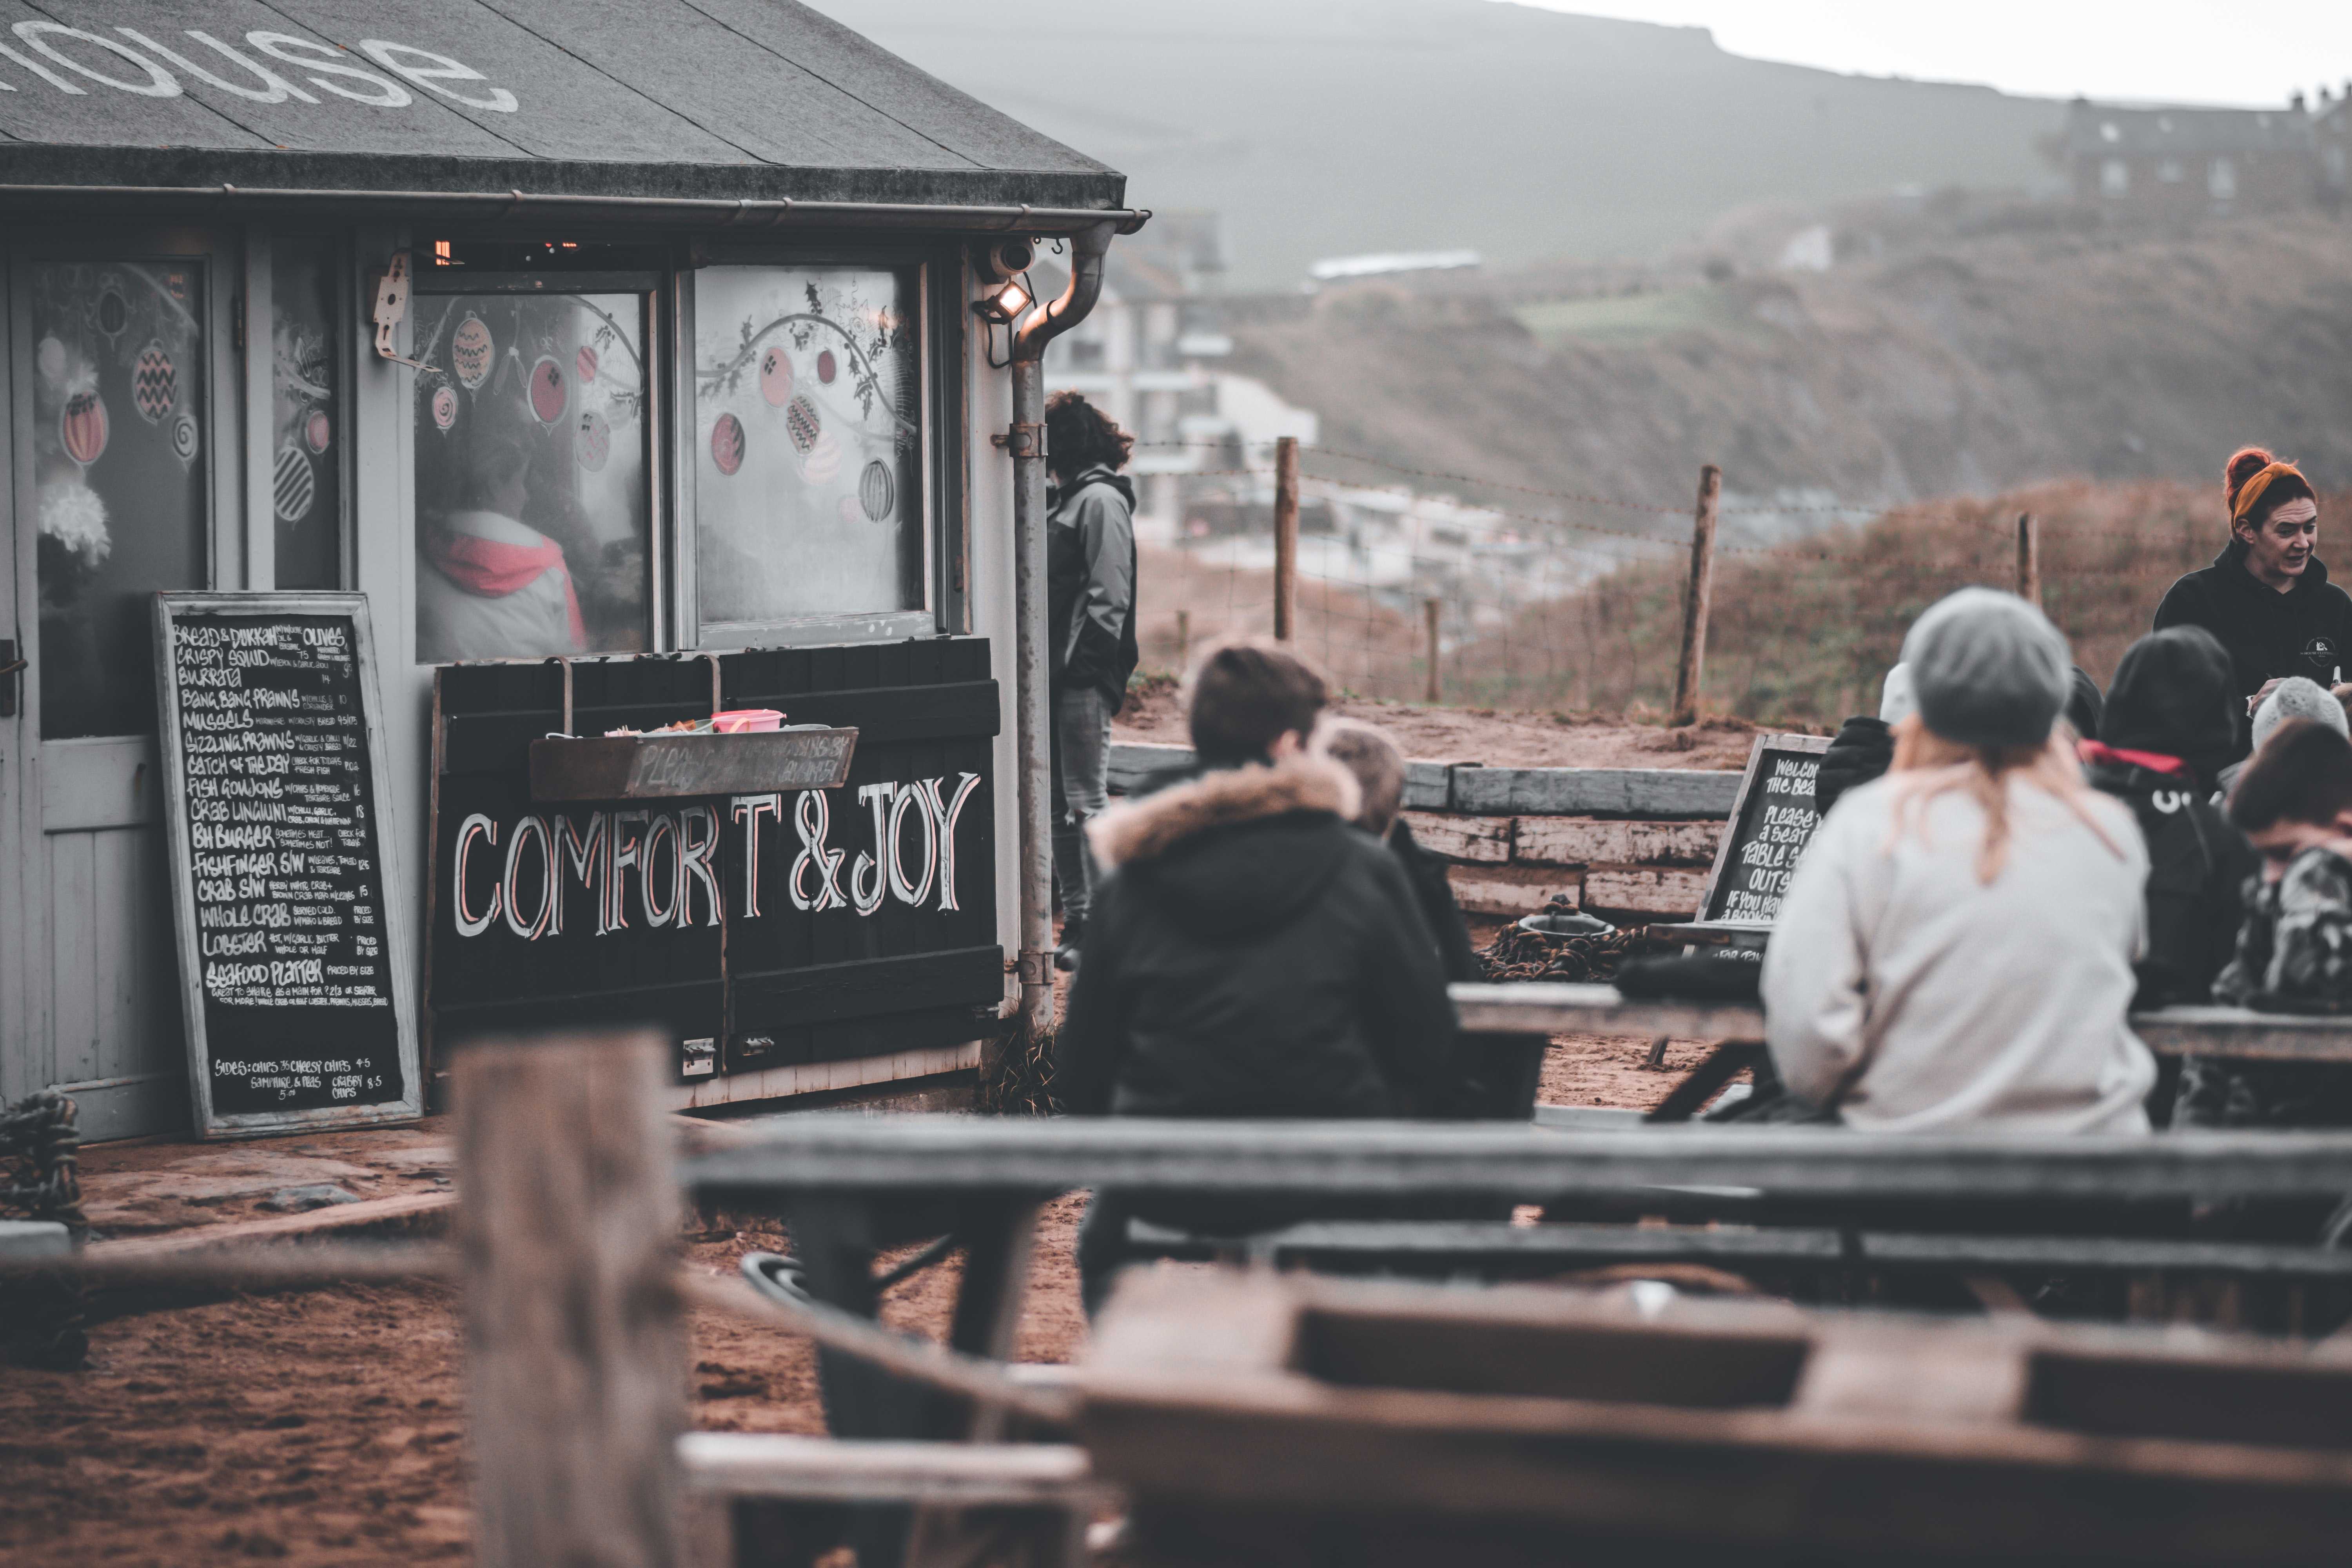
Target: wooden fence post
2029 559
1695 599
1183 641
1430 611
576 1350
1285 538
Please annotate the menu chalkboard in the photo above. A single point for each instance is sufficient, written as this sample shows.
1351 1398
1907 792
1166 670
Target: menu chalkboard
1772 823
293 960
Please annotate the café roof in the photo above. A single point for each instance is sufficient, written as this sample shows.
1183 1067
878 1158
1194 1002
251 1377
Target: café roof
710 100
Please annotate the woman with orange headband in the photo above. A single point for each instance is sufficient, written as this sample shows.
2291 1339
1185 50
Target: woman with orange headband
2267 595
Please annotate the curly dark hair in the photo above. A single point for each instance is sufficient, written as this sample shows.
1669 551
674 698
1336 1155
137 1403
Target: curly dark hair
1078 435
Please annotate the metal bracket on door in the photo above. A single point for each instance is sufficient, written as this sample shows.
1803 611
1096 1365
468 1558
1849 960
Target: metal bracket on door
11 666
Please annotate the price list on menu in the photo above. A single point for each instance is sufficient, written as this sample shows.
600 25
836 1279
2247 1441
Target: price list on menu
282 873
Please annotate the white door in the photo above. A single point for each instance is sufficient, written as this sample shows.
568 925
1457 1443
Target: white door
122 442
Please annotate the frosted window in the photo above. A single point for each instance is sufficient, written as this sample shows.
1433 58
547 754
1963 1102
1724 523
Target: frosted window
808 443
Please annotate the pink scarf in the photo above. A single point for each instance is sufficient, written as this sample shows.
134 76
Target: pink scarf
494 570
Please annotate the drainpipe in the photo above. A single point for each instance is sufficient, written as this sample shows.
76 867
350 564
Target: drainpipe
1033 700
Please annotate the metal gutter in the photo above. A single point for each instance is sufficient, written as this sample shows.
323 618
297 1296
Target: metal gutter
745 213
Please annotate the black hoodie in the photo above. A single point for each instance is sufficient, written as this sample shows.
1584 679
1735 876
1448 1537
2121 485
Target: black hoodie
2172 697
2269 636
1250 953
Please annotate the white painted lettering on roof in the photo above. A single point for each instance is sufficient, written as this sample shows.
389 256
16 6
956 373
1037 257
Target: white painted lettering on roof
146 69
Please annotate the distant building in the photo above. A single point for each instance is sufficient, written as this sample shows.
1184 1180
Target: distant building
2186 160
2331 134
1150 356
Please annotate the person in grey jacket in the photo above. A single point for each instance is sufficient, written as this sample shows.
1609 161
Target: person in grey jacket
1956 948
1090 613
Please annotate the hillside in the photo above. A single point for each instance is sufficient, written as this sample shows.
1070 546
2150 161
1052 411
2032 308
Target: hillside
2005 344
1321 130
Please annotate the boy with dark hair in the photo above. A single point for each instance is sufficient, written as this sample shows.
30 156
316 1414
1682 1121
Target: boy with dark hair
1366 751
2293 803
1250 953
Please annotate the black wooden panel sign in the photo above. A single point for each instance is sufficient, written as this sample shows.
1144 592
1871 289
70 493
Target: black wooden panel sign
293 961
761 927
1771 824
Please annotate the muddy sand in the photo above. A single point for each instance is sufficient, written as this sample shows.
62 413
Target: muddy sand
328 1426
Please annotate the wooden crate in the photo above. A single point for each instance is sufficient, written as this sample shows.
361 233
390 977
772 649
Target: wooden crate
1270 1419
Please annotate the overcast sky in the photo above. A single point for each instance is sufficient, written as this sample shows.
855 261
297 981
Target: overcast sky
2182 51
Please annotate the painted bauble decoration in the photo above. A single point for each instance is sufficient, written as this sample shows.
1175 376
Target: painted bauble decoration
113 312
822 462
584 361
296 485
850 510
726 444
318 430
445 407
548 391
83 428
154 384
802 424
183 437
826 369
471 351
876 490
51 357
776 376
592 441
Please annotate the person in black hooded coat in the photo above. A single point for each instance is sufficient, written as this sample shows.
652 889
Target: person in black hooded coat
2169 726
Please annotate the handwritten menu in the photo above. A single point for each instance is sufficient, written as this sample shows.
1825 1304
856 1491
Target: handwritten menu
1773 824
282 874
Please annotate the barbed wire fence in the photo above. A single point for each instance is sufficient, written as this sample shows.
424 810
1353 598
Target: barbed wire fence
1574 602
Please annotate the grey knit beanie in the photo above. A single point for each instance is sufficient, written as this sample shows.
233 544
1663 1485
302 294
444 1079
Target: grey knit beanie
2299 697
1988 669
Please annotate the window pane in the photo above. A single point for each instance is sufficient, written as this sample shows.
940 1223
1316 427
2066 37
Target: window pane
533 514
306 412
808 450
119 444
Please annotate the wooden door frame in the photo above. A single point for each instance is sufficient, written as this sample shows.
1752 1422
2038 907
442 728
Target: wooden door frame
27 1011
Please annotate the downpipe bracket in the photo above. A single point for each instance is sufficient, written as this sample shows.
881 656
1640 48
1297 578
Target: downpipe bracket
1021 440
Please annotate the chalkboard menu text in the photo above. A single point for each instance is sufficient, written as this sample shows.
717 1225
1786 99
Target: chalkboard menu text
292 962
1772 823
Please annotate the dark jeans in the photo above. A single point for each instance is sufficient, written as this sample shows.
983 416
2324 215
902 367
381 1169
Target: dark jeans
1081 752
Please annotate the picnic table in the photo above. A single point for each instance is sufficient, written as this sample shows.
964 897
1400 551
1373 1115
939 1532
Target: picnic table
1539 1008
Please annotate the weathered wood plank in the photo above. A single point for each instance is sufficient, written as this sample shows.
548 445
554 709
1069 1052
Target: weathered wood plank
282 1227
1429 786
1644 890
1582 792
576 1343
1547 1008
827 1152
840 1470
2242 1033
1459 837
1132 762
1581 841
1511 890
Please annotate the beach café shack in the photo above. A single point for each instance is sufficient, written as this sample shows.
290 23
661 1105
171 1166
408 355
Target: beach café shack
639 338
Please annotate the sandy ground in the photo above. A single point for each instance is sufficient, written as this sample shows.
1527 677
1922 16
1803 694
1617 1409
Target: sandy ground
326 1427
1487 735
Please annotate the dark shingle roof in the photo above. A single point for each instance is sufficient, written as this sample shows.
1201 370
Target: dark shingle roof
2096 128
761 100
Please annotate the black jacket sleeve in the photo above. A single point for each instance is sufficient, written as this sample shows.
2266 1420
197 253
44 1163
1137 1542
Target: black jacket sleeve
1091 1046
1435 895
2183 604
1408 1018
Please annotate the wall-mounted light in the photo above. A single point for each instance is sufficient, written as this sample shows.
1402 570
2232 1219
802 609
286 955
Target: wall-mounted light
1006 305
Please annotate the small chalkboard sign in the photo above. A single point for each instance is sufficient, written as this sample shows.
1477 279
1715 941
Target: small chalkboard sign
1771 822
294 958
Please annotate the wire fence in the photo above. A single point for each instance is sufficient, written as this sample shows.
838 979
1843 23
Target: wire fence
1573 603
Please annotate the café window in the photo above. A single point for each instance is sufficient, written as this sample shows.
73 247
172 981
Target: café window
808 447
119 448
307 424
534 493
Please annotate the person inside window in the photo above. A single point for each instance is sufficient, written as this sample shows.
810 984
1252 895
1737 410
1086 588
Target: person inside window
1981 854
2266 597
1090 613
490 585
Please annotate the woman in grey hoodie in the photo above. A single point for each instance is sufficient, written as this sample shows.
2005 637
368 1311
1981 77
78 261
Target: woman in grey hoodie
1955 947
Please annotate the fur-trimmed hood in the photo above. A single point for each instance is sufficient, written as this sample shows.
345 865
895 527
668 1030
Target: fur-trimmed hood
1238 852
1148 828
